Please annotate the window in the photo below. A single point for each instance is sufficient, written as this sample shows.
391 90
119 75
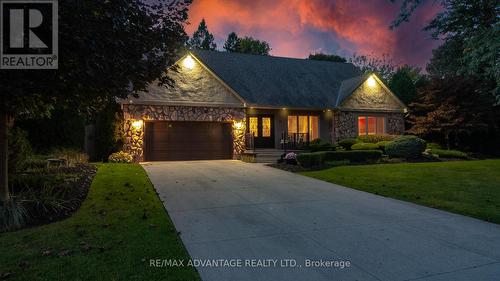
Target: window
266 126
304 124
371 125
313 127
253 126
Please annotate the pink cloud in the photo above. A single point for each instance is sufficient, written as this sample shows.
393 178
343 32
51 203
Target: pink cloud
296 28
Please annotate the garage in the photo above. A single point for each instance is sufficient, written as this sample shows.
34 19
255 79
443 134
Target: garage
183 140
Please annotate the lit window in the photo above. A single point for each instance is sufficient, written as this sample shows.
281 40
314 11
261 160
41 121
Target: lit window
313 127
303 125
292 124
371 125
266 126
253 126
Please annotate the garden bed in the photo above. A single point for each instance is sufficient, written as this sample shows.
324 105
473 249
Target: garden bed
51 194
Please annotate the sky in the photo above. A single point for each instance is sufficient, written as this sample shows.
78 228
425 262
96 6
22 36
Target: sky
296 28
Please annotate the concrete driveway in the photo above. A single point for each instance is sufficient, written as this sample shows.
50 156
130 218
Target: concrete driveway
268 224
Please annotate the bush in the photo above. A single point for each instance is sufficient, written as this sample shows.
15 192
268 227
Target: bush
376 138
406 147
120 157
433 145
364 146
356 156
311 159
347 143
320 158
381 145
337 163
319 145
72 156
442 153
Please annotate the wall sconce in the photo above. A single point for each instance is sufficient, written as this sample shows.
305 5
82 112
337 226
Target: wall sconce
238 125
371 82
137 124
188 62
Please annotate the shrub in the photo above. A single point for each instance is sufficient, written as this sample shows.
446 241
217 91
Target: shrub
433 145
311 159
354 156
364 146
376 138
405 147
347 143
120 157
442 153
72 156
337 163
319 145
381 145
320 158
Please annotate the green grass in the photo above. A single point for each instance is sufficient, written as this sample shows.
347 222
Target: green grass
470 188
124 222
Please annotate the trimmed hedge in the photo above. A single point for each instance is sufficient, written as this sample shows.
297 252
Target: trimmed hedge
381 145
364 146
347 143
443 153
319 145
356 156
311 159
376 138
406 147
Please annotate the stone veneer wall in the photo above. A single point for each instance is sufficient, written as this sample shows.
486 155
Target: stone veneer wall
346 124
134 137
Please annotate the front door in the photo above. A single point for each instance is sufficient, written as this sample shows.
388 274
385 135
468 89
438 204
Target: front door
262 129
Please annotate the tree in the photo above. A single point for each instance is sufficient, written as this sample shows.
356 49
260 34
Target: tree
384 67
405 81
472 26
202 38
107 50
326 57
450 107
232 43
249 45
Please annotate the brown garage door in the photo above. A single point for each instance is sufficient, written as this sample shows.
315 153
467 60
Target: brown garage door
179 140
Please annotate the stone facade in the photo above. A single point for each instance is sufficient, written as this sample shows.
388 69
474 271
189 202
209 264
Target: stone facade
134 136
346 123
372 97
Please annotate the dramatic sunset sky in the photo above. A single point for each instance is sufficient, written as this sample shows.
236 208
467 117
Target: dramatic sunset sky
295 28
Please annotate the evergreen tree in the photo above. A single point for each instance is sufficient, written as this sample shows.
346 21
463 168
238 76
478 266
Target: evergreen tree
232 42
202 38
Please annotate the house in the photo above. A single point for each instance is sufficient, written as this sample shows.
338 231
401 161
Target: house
222 102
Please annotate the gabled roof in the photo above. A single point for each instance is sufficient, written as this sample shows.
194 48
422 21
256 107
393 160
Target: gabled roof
348 86
283 82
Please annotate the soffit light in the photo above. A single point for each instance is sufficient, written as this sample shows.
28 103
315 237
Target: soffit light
188 62
371 82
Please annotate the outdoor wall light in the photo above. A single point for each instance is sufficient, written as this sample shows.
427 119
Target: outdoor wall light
188 62
371 82
238 125
137 124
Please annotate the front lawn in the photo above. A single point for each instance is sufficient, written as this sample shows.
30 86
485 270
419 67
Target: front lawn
119 228
466 187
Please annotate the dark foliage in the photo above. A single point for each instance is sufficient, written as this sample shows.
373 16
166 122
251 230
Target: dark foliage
319 158
202 38
453 112
327 57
